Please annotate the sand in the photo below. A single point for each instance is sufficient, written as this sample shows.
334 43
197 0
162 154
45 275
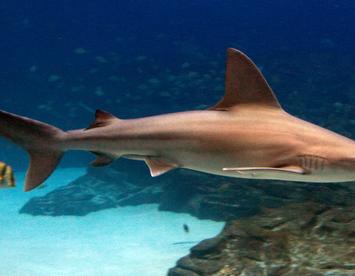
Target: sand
121 241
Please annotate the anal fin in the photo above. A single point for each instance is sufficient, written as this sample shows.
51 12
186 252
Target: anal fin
159 166
102 159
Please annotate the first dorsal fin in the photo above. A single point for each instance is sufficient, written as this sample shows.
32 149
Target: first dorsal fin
102 118
245 84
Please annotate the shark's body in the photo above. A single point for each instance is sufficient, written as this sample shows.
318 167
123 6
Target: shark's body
247 134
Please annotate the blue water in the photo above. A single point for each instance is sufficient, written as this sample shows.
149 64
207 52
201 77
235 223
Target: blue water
302 46
60 60
132 240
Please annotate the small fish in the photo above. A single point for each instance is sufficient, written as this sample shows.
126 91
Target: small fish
186 228
80 51
7 179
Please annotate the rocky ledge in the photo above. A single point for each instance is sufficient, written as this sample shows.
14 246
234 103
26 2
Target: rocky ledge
298 239
202 195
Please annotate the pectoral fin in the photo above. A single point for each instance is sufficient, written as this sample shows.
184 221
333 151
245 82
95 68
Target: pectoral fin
267 171
159 166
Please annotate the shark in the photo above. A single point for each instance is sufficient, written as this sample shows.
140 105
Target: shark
247 134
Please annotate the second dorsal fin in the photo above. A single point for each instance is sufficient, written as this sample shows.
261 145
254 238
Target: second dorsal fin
245 84
102 118
102 159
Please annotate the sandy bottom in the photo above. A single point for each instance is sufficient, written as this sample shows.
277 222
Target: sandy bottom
122 241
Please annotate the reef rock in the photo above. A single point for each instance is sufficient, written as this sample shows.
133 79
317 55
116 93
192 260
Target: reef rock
100 188
297 239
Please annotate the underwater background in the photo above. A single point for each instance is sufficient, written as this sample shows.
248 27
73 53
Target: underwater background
62 60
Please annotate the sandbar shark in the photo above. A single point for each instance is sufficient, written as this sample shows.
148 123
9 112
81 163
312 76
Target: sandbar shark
247 134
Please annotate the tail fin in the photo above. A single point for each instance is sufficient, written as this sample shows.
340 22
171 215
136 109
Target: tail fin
41 142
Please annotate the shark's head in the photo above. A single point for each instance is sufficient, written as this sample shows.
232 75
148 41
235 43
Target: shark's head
335 164
343 168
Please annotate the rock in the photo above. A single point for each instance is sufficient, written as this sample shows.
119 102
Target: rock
207 246
297 239
199 266
99 189
202 195
181 272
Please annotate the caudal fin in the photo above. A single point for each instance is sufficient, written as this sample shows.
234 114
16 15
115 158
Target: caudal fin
39 139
